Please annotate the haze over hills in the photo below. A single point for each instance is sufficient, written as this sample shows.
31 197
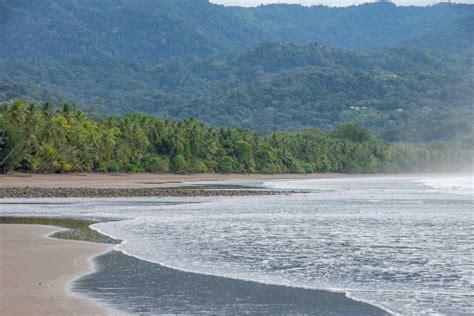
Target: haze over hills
178 58
153 29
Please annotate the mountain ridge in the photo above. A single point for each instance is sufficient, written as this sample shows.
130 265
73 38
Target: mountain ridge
272 67
150 30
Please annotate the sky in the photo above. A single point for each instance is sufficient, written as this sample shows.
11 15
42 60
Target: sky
249 3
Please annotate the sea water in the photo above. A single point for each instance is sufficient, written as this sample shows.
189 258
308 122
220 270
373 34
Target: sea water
404 243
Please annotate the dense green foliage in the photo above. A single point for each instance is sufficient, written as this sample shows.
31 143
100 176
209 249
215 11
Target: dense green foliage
153 29
43 139
410 78
396 93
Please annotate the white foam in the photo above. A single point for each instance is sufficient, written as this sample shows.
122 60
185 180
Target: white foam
394 242
122 248
454 184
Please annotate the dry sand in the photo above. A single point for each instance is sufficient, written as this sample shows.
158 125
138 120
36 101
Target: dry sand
35 272
133 180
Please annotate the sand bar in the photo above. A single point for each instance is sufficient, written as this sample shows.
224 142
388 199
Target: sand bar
35 272
109 185
134 180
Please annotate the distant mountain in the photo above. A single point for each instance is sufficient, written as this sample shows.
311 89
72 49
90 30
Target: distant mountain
397 92
153 29
404 72
367 26
457 36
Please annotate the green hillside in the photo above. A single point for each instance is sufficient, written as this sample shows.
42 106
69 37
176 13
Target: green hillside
153 29
403 72
397 93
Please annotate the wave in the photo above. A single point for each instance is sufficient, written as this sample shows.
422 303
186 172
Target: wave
450 184
391 242
347 293
459 184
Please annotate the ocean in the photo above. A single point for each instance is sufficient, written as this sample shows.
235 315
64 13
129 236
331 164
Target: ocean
402 243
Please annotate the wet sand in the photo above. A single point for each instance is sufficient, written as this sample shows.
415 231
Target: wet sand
37 192
35 272
89 185
141 287
135 180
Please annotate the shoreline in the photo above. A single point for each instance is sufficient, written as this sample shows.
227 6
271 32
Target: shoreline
79 290
88 293
37 272
114 185
186 292
139 180
110 185
63 192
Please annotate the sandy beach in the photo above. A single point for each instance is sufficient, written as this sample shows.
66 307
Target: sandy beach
135 180
21 185
35 272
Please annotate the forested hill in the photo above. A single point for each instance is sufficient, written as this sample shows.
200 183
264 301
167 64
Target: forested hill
153 29
403 72
400 94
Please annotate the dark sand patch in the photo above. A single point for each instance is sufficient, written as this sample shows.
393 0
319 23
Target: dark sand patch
142 287
60 192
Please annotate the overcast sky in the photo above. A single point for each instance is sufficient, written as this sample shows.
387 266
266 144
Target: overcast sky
248 3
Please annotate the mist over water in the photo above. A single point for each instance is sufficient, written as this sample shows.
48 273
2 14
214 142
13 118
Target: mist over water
404 243
455 184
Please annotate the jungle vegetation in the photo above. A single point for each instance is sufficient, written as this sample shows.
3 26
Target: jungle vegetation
400 94
405 73
45 139
159 29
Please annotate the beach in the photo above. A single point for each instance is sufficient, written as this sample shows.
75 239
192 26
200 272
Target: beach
93 185
283 254
141 287
136 180
35 272
42 275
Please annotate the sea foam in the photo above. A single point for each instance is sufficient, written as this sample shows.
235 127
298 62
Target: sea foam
395 242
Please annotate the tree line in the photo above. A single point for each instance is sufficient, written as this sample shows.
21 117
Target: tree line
44 139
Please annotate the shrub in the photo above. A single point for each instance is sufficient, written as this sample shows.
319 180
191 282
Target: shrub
198 166
113 167
157 164
179 164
